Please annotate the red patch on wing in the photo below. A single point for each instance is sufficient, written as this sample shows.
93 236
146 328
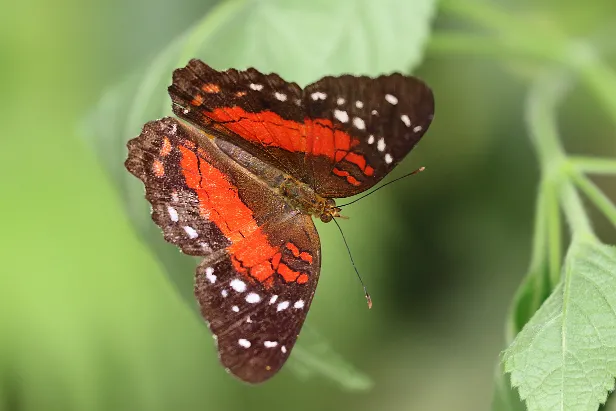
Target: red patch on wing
306 257
288 274
293 248
301 255
251 252
267 128
352 180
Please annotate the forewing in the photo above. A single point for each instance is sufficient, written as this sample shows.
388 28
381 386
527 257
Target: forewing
164 157
261 257
373 122
261 113
340 135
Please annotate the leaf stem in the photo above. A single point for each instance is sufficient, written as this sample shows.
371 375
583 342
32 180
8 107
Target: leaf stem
484 14
514 34
535 278
593 165
482 45
575 213
544 96
554 232
602 202
601 80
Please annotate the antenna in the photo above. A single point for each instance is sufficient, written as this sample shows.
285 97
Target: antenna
419 170
354 267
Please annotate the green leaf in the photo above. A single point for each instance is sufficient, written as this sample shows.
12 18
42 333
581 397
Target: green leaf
533 291
565 357
302 41
535 287
505 397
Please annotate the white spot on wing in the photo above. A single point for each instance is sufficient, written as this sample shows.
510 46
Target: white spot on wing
209 274
340 101
283 349
253 298
244 343
406 120
388 158
370 139
282 306
280 96
173 214
359 104
175 197
381 144
192 233
224 293
417 129
235 309
185 111
174 128
270 344
375 113
248 320
256 87
391 99
317 95
273 299
341 115
359 123
299 304
238 285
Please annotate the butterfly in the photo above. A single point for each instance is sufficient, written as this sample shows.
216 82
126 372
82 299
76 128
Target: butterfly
239 178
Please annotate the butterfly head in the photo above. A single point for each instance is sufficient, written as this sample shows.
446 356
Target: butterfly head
330 211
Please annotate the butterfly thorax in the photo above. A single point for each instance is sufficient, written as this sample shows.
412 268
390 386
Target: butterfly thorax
296 193
303 198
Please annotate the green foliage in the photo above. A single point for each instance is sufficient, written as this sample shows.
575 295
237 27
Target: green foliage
348 36
561 326
562 356
565 357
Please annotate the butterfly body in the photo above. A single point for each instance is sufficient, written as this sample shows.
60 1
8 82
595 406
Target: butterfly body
239 180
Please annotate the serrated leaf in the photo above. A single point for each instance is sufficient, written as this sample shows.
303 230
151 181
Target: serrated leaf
533 291
505 397
565 357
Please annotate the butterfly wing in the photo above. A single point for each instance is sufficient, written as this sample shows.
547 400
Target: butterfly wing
257 323
340 135
261 113
261 259
375 123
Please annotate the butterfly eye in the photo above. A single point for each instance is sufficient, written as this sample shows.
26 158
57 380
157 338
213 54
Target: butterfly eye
326 218
330 203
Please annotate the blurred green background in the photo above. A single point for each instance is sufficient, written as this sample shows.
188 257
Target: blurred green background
91 319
